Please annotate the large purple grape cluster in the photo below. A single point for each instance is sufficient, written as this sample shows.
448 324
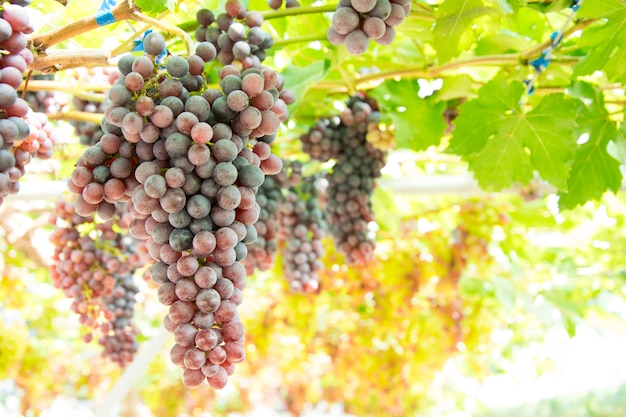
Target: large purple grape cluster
355 22
189 159
351 183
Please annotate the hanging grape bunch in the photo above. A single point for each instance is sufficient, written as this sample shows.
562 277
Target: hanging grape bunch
236 34
351 182
92 265
190 160
302 229
16 148
355 22
262 251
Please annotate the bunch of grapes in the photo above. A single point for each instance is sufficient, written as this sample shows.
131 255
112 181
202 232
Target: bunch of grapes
262 251
89 265
14 25
236 35
355 22
302 230
275 4
189 159
358 163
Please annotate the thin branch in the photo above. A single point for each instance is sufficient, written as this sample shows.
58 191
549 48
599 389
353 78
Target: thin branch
81 116
43 41
56 60
300 39
580 25
76 89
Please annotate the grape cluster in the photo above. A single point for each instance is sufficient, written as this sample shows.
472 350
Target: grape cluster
302 229
15 57
236 35
380 134
270 198
358 163
189 159
355 22
89 265
275 4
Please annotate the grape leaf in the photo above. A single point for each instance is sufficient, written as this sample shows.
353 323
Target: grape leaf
504 144
155 6
607 43
298 79
551 6
419 122
594 171
453 18
510 6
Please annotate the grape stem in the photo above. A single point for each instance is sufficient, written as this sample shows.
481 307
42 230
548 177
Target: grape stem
56 60
75 89
371 81
43 41
300 39
81 116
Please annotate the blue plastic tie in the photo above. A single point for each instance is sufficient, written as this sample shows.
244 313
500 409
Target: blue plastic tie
104 15
575 5
541 63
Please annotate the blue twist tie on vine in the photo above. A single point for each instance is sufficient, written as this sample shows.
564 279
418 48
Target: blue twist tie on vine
532 86
541 63
139 43
575 5
104 15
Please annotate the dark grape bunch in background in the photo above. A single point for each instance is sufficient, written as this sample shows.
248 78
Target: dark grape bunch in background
355 22
189 160
302 229
262 251
236 35
93 265
275 4
351 182
44 101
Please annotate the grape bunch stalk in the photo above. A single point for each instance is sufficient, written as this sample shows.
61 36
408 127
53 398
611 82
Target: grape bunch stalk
91 264
351 182
189 159
355 22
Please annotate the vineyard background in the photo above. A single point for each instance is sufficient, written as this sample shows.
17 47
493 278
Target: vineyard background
497 284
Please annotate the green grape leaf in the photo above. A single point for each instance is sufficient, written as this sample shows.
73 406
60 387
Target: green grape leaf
155 6
594 170
511 6
298 79
455 87
504 144
454 17
418 122
550 6
606 43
